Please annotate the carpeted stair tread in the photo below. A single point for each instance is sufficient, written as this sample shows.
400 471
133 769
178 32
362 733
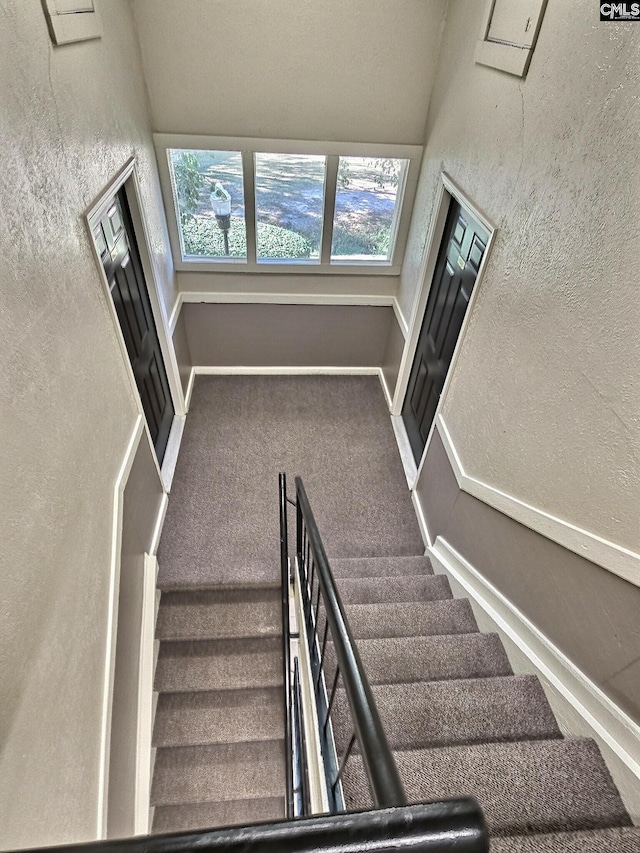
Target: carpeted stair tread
227 771
219 664
523 788
220 716
394 589
230 573
210 815
219 614
393 660
616 840
448 616
446 713
372 567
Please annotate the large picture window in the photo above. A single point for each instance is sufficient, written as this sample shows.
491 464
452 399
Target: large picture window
269 205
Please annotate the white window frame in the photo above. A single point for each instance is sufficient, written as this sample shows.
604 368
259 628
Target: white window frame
512 58
333 151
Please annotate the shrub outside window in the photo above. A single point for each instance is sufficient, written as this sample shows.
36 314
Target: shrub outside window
289 206
195 175
276 205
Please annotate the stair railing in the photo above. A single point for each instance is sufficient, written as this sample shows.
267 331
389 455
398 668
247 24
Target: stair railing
285 578
455 826
322 603
424 828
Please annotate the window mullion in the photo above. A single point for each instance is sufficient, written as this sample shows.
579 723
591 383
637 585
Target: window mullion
331 181
248 172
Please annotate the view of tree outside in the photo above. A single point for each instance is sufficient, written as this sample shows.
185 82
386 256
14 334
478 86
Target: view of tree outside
365 207
290 195
195 174
289 205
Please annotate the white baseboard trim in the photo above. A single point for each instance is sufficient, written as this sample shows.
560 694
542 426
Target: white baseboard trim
404 448
287 371
422 521
385 388
608 555
145 700
157 531
582 708
187 396
171 451
175 313
402 320
110 644
270 298
279 371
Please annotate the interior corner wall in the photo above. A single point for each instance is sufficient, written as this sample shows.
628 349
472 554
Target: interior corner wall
357 71
268 335
544 400
71 118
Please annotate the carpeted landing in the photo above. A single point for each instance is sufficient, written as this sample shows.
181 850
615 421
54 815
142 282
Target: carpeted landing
333 431
458 720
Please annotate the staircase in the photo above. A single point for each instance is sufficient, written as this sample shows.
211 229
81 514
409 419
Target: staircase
219 720
457 719
460 723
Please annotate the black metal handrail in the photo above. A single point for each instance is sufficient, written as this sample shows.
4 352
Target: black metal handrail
382 773
455 827
286 643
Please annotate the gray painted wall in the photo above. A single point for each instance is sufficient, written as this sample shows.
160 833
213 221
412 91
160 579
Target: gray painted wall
588 613
287 335
142 500
393 355
183 354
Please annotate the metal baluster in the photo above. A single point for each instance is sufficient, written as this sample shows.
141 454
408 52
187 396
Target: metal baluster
345 758
324 643
298 530
333 694
313 575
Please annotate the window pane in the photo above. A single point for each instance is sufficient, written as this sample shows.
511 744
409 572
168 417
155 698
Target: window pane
289 206
195 175
364 222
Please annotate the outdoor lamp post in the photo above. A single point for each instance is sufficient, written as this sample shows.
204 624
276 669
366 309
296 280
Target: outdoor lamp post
221 204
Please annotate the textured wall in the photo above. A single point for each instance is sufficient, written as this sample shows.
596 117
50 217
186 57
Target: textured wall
70 118
545 399
296 69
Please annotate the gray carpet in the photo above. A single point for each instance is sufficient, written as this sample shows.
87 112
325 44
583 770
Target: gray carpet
335 432
459 721
461 724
